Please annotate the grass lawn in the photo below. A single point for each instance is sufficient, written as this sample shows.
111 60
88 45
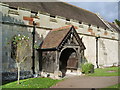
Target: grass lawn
111 71
32 83
113 87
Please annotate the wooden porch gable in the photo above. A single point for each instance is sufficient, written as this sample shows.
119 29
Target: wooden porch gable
62 37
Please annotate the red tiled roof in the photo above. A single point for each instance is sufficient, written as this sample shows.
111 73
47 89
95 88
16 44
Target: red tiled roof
55 37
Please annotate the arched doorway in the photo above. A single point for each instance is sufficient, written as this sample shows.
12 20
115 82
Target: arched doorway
68 60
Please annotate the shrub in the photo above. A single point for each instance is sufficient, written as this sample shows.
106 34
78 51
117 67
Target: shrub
87 68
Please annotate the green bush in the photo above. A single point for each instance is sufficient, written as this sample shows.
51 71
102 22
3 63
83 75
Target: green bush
87 68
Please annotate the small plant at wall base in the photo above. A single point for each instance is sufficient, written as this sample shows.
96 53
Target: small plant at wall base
87 68
20 47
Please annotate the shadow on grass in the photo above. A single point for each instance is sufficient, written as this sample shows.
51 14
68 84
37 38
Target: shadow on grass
5 82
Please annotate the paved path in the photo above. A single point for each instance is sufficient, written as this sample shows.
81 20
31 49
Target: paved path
87 82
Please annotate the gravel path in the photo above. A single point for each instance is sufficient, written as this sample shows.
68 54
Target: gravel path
87 82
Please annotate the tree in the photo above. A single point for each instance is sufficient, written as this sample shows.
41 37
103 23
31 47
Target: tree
117 22
21 51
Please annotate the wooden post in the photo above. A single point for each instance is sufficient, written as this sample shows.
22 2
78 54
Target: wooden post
57 61
79 57
79 62
56 72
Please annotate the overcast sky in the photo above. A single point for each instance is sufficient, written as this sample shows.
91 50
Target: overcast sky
108 10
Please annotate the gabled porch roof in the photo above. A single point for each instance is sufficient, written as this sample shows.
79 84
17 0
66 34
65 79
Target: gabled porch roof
56 36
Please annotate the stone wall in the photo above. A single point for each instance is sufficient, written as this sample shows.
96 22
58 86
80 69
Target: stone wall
11 26
48 61
90 51
108 52
8 64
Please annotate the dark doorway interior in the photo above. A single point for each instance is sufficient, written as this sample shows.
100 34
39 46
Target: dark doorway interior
68 60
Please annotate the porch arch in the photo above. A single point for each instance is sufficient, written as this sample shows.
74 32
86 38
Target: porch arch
69 60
